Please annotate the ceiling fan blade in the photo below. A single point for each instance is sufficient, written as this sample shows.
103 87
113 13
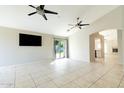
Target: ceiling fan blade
50 12
78 19
80 27
71 24
83 24
44 16
42 7
71 28
80 22
32 6
32 13
68 30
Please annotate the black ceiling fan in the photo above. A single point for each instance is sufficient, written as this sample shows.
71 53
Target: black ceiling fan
78 24
40 10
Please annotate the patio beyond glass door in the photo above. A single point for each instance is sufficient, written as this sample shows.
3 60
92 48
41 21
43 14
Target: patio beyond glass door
60 47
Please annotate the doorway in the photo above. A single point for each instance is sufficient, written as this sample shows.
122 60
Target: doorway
96 47
104 46
60 48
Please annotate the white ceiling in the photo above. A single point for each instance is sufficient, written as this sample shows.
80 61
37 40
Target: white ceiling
15 16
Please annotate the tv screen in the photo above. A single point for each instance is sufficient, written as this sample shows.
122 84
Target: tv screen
30 40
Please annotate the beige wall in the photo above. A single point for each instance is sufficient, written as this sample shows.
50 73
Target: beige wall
12 53
79 42
92 46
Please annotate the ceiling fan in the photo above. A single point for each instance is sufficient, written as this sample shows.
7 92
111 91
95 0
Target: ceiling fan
77 25
40 10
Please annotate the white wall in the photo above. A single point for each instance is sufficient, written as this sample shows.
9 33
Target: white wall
78 46
11 53
79 41
110 40
120 43
110 44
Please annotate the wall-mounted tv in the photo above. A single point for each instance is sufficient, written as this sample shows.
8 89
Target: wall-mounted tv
30 40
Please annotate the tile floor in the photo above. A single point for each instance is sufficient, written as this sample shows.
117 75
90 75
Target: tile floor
62 73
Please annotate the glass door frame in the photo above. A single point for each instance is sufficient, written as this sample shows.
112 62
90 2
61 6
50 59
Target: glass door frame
66 47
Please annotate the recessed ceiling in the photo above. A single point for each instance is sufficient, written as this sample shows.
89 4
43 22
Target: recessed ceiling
15 16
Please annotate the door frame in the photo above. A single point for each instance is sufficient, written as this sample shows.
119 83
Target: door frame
67 47
93 36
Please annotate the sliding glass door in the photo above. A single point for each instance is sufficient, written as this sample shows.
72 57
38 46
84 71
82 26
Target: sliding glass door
60 47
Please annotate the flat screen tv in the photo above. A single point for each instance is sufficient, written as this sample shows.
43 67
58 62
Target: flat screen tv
30 40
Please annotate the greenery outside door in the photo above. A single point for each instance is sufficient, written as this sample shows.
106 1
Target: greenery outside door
60 48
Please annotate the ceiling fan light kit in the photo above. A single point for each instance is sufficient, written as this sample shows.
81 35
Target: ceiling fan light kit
77 25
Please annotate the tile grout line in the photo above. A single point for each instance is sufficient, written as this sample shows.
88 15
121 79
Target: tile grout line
79 77
101 77
75 78
55 84
71 80
33 80
120 81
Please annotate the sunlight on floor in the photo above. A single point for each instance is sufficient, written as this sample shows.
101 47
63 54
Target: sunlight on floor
62 73
60 61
